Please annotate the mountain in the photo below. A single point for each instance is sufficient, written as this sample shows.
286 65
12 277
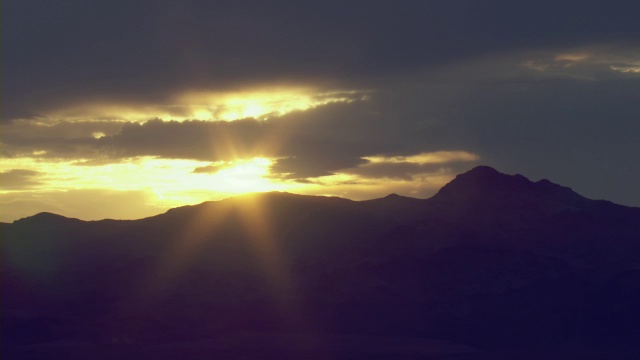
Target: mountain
492 266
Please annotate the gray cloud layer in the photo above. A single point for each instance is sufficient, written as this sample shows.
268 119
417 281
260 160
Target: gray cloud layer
55 53
546 89
18 179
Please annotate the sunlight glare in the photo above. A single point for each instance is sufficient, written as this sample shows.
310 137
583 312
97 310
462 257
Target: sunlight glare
172 181
243 176
260 103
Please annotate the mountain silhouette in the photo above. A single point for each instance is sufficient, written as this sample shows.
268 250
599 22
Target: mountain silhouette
484 193
492 266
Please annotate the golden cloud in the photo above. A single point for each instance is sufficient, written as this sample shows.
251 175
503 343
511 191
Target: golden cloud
258 103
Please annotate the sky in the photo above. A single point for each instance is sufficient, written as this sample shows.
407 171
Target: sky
124 109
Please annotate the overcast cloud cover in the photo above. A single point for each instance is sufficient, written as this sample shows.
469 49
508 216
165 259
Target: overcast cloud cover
546 89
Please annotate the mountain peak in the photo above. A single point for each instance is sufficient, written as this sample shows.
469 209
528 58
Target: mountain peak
487 173
46 218
395 198
485 178
482 170
484 186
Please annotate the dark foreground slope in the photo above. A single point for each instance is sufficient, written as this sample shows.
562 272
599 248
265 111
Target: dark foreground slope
493 265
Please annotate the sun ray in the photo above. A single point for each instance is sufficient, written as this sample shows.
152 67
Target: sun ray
259 226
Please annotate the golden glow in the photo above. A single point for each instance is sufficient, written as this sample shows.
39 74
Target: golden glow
436 157
626 69
535 65
260 103
573 57
243 108
585 63
160 184
242 176
252 215
357 188
172 182
257 103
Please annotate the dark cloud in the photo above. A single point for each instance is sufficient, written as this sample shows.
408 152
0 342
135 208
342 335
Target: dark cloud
28 130
19 179
200 140
547 89
406 170
307 143
58 54
210 169
315 165
568 122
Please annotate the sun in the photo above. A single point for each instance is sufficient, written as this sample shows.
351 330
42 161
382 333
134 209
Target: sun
241 108
244 176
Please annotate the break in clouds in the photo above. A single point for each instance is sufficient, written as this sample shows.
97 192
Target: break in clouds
498 108
344 97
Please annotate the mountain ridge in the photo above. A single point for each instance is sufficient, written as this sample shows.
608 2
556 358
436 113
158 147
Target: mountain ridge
492 261
482 175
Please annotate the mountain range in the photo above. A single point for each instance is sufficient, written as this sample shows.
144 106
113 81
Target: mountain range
491 266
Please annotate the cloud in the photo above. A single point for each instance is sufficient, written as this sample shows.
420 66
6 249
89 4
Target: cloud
261 102
221 46
209 169
408 167
63 139
305 143
436 157
362 188
592 63
313 165
627 69
19 179
577 110
396 171
353 99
